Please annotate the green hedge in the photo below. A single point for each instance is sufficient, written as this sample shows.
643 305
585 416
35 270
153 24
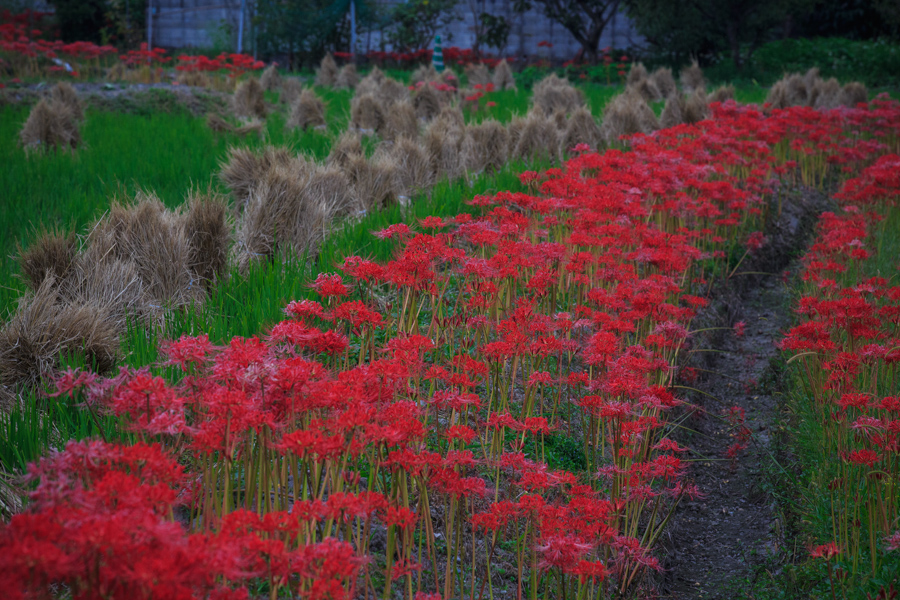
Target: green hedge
875 63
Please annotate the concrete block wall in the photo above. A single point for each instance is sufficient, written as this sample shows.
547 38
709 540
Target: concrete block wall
189 23
526 32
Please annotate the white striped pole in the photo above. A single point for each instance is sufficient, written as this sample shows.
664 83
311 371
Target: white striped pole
437 58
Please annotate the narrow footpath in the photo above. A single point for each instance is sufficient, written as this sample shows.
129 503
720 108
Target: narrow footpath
720 545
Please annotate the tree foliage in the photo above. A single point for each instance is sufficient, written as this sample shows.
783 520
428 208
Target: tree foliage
306 29
80 20
702 28
586 20
415 23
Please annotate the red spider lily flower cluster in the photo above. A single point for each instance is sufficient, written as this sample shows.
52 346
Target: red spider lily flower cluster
401 59
847 344
30 54
145 56
453 55
413 400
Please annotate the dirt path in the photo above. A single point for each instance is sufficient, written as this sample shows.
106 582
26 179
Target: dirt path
721 544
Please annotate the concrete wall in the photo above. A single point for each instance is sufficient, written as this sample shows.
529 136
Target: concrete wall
189 23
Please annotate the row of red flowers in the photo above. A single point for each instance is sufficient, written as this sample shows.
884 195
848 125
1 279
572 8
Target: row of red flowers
390 435
847 346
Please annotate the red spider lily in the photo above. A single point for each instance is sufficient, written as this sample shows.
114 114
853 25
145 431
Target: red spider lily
825 551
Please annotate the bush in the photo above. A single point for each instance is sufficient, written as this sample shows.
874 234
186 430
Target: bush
874 63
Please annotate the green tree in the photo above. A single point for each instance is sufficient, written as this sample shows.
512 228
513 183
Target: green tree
80 20
586 20
490 30
415 23
699 27
305 29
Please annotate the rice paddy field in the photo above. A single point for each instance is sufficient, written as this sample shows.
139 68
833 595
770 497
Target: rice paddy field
402 335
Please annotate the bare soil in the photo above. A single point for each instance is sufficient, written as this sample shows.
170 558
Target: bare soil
720 545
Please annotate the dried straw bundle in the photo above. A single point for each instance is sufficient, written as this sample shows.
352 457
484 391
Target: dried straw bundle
664 81
347 77
248 100
50 125
308 111
627 114
553 93
270 79
290 90
327 73
692 77
503 77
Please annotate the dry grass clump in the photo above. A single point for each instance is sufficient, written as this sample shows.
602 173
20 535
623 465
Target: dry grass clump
427 102
290 90
559 119
553 93
825 94
65 94
777 98
537 140
253 126
811 77
366 113
137 259
852 94
722 93
478 74
692 77
193 79
647 89
50 125
308 111
348 145
248 100
672 113
51 254
443 142
243 169
45 327
581 129
636 74
327 73
218 124
270 79
399 121
503 77
414 170
486 147
664 81
290 211
696 107
116 72
347 77
209 236
374 181
391 92
157 241
449 77
811 90
424 74
627 114
371 82
451 117
795 90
